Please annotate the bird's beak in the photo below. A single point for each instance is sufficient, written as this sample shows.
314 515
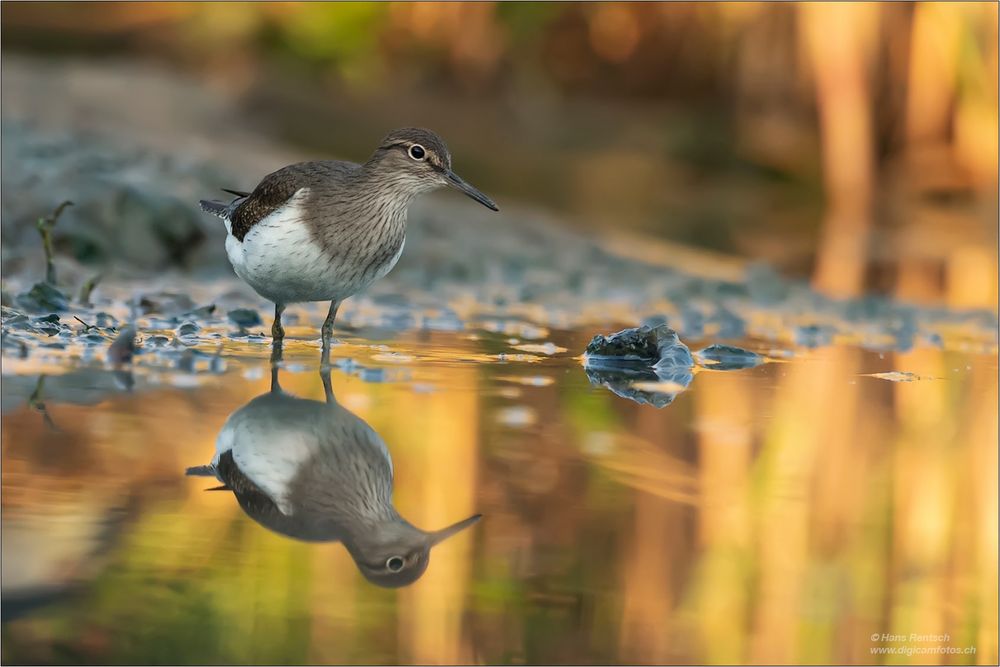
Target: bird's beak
455 181
439 536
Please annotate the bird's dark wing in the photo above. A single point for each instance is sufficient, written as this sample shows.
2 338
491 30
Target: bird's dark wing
278 187
238 193
250 497
272 192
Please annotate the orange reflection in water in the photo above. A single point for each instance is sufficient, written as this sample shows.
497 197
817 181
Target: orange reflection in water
783 514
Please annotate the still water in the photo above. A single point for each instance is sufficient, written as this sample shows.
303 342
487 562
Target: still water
790 512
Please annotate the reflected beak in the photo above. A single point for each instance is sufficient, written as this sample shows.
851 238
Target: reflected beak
455 181
439 536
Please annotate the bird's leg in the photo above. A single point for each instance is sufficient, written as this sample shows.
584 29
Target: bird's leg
275 384
278 331
328 331
275 363
324 374
277 341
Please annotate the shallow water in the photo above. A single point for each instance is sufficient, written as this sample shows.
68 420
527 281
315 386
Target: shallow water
786 512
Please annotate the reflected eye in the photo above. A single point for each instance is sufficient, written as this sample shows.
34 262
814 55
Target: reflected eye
394 564
417 152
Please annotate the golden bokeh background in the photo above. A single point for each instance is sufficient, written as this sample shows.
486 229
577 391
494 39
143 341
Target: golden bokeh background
777 517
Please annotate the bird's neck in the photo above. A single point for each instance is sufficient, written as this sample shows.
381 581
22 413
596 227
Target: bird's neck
390 185
363 539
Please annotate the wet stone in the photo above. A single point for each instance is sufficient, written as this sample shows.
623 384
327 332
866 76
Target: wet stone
47 327
730 325
200 313
165 303
727 358
765 286
693 322
13 318
623 383
813 335
651 346
244 317
188 329
644 354
156 342
43 297
869 307
106 320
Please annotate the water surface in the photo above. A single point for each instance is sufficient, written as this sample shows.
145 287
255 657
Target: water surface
782 513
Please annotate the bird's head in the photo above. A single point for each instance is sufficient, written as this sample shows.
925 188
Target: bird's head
398 556
416 160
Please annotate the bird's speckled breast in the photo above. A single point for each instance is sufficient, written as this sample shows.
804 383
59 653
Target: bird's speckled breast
318 248
364 237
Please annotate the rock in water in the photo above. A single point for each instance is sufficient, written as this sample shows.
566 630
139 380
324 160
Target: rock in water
244 318
658 347
814 335
727 358
646 387
165 303
43 298
644 354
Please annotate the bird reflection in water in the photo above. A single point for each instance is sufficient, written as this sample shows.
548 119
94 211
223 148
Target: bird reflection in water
315 471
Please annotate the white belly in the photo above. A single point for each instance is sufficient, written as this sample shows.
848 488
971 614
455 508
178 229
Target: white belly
275 436
279 258
271 439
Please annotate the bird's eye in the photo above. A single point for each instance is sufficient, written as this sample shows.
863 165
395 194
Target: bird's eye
394 564
417 152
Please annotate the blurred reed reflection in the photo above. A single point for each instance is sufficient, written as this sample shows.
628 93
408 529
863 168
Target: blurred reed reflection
315 471
780 514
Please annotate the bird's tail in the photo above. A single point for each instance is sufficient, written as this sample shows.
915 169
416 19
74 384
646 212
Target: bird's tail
206 471
215 207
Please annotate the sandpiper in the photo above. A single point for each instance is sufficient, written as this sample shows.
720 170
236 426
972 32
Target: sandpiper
323 231
315 471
